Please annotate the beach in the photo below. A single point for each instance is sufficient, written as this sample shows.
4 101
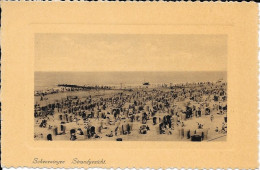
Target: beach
160 112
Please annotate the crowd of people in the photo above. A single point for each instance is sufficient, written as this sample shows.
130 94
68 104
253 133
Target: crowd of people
126 114
67 88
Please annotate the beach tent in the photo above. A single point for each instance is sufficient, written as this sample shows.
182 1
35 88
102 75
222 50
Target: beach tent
70 119
154 120
49 137
196 138
72 131
225 119
186 133
143 129
61 129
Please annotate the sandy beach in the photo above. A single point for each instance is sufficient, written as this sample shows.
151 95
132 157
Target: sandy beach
182 113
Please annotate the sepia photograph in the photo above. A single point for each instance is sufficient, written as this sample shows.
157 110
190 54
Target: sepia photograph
188 102
129 85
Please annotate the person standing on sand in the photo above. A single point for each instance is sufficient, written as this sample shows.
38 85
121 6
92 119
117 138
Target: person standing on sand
211 118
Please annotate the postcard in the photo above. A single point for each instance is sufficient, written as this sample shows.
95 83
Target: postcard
129 85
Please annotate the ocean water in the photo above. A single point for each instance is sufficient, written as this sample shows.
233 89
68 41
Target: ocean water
45 80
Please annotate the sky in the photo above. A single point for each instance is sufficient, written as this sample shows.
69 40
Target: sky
126 52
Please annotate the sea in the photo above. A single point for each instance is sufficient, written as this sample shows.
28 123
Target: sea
47 80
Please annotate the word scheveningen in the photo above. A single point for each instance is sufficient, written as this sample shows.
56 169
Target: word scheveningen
41 161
